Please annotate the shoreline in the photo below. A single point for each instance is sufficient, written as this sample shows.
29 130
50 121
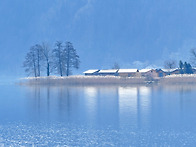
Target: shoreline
108 80
81 80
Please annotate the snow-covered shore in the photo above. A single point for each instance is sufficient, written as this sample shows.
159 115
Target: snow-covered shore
179 79
104 80
81 80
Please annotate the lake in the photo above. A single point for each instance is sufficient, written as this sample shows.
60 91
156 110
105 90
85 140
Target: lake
97 115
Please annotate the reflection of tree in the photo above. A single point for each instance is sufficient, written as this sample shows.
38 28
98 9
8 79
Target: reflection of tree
37 98
107 112
68 103
64 100
138 108
48 98
34 98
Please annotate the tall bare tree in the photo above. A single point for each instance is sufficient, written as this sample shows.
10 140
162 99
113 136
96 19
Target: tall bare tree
58 59
30 63
71 58
47 56
193 56
39 58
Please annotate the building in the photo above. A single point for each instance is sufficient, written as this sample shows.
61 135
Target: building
160 73
171 71
194 70
146 72
128 72
108 72
91 72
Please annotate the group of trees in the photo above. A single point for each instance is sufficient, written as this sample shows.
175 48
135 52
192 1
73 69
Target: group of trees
60 60
185 68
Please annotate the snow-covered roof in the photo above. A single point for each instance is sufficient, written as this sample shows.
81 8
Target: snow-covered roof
144 70
169 70
108 71
91 71
127 70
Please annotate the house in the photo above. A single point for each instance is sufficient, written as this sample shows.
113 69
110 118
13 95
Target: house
171 71
91 72
146 72
108 72
160 73
128 72
194 70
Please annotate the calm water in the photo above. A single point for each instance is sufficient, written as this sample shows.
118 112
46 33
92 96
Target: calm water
97 116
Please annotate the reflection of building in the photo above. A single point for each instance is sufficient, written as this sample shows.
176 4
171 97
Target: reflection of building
128 100
134 105
101 105
90 91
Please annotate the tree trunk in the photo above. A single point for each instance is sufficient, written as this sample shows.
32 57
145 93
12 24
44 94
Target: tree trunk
48 69
68 58
35 71
38 64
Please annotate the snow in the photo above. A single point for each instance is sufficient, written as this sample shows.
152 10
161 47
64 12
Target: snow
181 76
144 70
169 70
127 70
108 71
91 71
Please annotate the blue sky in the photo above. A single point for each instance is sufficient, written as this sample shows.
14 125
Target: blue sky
134 33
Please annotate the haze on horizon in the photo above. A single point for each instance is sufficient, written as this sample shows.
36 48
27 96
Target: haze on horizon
136 34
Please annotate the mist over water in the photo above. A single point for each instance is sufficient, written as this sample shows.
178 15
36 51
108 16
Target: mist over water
97 115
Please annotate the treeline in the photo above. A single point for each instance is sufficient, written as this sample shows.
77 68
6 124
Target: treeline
184 67
59 60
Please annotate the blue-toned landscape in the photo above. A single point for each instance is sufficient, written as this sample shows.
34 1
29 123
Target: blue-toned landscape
97 115
97 73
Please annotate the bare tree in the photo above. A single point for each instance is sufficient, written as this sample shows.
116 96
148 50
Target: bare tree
30 63
33 60
170 64
64 59
47 56
39 58
58 60
193 56
71 58
116 66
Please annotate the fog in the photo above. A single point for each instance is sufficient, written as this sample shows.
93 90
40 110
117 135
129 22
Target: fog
132 33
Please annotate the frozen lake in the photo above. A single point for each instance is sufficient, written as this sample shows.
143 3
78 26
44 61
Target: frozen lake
97 116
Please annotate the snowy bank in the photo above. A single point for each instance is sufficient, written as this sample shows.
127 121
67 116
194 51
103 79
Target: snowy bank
107 80
81 80
179 79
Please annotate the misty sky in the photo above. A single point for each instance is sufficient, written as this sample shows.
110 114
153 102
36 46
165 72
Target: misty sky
134 33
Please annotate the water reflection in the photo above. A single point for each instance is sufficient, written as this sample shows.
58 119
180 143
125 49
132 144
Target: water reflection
134 105
115 113
117 106
94 105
